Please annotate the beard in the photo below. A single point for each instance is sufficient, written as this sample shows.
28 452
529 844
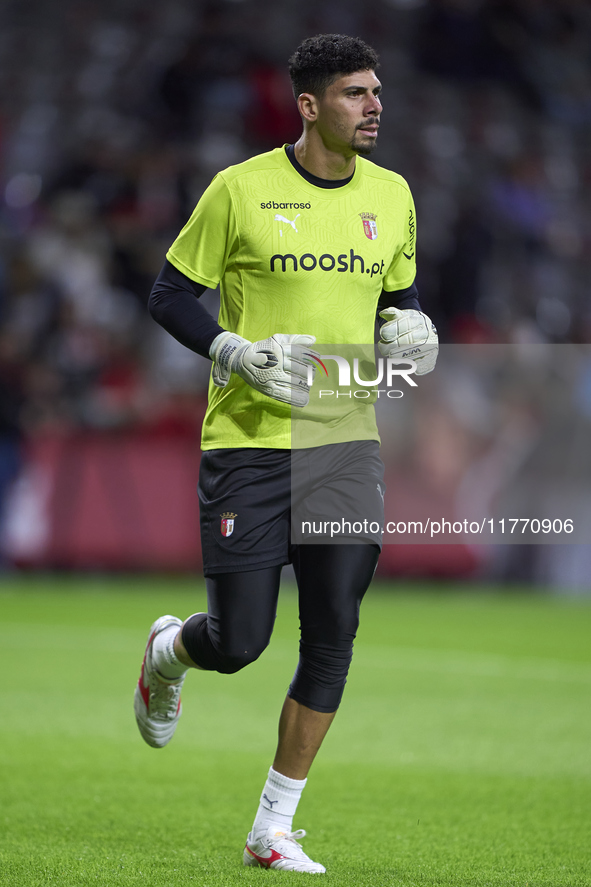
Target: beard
364 148
363 145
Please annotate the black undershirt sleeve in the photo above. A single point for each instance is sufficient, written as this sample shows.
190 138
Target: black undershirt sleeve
174 304
403 299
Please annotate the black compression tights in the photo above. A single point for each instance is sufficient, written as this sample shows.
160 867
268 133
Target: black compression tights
332 580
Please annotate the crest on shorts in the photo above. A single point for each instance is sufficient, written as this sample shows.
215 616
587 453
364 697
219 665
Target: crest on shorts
370 228
227 527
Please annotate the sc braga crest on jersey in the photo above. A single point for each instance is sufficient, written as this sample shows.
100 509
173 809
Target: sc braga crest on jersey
370 227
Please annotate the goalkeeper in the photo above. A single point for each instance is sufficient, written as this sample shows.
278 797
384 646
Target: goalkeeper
307 243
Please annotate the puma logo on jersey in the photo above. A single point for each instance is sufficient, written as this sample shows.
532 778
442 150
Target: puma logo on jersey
280 218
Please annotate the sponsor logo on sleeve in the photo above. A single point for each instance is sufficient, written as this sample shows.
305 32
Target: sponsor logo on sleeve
411 236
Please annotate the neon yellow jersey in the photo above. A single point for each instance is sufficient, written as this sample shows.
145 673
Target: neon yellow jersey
292 257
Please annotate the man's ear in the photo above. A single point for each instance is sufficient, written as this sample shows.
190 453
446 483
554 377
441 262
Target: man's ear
308 106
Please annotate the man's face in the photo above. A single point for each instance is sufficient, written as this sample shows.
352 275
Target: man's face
349 113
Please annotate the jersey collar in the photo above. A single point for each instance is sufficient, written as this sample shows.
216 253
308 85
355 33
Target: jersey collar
314 184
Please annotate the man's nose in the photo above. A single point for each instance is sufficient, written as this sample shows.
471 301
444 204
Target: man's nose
374 107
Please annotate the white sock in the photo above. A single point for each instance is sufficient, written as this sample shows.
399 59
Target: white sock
278 803
163 655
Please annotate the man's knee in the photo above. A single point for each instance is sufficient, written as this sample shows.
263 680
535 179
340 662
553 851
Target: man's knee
213 649
321 676
230 661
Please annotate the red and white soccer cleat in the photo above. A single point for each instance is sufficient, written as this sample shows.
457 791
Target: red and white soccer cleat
157 700
280 850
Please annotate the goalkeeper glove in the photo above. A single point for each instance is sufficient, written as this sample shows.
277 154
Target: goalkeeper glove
277 367
409 333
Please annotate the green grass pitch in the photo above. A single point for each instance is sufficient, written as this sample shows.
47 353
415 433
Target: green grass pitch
460 756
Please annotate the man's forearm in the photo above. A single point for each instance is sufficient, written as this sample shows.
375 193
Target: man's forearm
402 299
174 304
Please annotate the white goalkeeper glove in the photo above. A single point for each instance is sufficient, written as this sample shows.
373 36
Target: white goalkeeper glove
409 333
277 367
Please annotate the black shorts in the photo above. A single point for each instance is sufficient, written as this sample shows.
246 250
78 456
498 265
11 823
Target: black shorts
255 504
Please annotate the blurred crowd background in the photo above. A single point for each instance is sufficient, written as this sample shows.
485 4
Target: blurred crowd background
115 116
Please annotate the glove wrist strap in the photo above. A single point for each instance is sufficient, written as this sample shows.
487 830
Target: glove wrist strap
223 352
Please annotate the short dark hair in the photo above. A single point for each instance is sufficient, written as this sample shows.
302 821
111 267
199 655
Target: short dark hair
319 60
